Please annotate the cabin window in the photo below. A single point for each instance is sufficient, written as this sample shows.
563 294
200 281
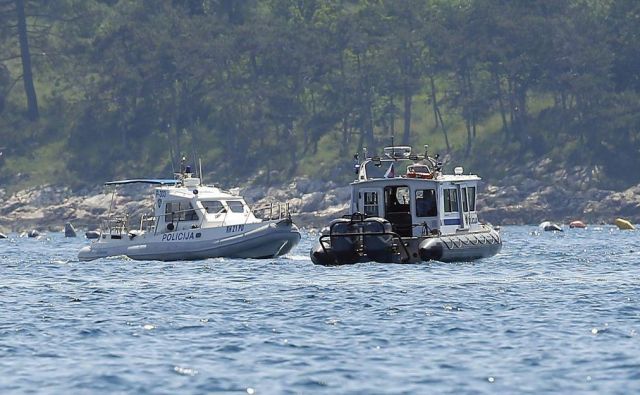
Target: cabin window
450 200
465 204
180 211
371 204
168 212
426 204
214 207
471 196
396 199
235 206
187 212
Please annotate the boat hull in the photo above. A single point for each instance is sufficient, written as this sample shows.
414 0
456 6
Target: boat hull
450 248
262 240
460 248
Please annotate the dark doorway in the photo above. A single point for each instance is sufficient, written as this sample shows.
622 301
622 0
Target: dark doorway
397 209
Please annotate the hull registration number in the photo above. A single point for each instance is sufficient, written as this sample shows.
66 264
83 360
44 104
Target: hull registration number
235 228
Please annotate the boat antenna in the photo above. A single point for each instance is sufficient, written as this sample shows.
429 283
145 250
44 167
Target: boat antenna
200 169
113 198
111 206
393 149
173 158
195 154
182 162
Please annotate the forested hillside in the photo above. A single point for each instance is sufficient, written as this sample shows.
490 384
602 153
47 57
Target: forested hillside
96 89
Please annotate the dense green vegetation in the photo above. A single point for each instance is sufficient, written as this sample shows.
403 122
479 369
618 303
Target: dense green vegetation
96 89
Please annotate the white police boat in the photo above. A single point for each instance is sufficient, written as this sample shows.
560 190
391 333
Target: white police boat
405 210
192 221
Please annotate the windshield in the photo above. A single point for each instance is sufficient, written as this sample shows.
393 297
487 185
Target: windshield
214 207
386 168
235 206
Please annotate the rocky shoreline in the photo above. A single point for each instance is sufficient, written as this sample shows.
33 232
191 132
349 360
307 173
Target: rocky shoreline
542 194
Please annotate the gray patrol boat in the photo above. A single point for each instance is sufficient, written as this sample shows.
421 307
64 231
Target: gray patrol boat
405 210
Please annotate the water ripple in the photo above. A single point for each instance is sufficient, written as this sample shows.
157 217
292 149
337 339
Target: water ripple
553 312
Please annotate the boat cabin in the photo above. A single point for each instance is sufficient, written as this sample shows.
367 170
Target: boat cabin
185 204
411 192
192 206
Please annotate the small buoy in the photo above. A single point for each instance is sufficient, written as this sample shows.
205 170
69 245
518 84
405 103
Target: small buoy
577 224
92 234
33 233
623 224
548 226
69 231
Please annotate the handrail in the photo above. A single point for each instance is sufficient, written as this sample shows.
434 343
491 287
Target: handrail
282 210
120 223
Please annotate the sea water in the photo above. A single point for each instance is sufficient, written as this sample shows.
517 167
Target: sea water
552 313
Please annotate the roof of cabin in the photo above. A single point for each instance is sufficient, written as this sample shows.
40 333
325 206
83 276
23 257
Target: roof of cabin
152 181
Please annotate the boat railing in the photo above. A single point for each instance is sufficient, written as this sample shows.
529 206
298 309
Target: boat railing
119 224
148 223
174 220
272 211
427 231
116 225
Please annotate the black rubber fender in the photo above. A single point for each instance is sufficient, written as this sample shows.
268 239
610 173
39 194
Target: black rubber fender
431 249
320 256
327 257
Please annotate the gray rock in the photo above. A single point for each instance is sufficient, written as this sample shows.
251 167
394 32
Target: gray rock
524 196
311 201
295 204
303 185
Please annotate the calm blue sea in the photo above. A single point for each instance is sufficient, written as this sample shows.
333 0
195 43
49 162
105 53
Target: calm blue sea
552 313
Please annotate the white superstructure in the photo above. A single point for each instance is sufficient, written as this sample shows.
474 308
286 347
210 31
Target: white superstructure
412 193
192 221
